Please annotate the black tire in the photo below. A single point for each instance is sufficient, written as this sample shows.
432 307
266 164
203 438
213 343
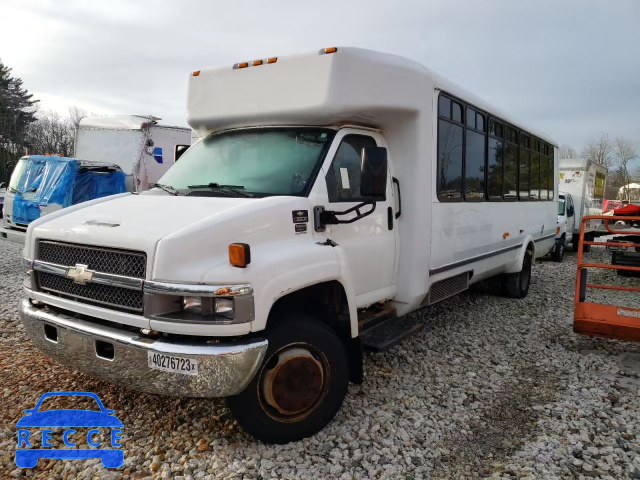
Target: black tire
558 252
621 273
585 248
258 408
516 285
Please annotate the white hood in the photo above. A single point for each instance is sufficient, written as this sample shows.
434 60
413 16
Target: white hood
134 222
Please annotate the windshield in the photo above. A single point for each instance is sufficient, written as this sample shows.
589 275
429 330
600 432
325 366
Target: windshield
17 175
257 162
561 206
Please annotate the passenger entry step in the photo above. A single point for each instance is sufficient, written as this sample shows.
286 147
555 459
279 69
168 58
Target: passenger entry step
388 333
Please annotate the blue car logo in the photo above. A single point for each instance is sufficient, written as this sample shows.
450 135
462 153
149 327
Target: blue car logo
157 154
27 457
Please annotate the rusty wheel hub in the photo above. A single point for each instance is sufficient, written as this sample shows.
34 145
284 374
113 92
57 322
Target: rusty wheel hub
294 383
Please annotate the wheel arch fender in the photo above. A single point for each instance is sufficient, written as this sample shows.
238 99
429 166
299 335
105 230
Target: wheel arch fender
528 245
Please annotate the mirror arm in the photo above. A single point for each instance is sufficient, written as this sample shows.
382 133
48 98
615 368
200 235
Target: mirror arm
330 217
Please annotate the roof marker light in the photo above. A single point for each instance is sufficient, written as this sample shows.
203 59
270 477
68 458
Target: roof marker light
272 60
241 65
257 62
196 73
330 50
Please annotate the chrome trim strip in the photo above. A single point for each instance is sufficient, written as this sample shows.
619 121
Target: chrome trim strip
27 264
469 260
188 289
224 369
109 279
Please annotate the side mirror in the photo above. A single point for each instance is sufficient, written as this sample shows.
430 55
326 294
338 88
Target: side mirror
373 172
570 212
180 149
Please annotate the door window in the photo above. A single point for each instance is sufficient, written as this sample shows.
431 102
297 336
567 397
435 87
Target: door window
343 179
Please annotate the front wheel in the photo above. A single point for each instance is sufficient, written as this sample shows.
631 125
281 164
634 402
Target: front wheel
558 252
516 285
300 385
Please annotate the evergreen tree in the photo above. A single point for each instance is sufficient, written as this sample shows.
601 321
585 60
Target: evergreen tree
17 111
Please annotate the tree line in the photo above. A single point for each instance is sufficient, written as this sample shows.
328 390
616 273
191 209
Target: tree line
618 156
24 129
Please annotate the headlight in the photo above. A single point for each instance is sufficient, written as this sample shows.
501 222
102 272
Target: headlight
208 306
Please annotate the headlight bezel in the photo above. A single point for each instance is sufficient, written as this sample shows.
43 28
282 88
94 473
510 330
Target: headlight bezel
166 302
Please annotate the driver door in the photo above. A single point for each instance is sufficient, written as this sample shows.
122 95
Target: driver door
369 244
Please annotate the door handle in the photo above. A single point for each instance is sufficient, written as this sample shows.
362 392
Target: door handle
390 218
395 180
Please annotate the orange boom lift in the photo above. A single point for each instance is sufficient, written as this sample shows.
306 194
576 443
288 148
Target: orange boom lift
608 321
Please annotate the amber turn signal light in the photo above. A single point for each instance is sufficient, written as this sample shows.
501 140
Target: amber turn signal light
239 255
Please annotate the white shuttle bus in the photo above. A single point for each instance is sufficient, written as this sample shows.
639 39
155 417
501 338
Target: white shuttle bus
330 195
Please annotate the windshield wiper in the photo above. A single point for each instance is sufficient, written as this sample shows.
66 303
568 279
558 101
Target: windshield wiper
228 188
166 188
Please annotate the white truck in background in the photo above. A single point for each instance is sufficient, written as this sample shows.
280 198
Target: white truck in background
331 194
581 185
136 147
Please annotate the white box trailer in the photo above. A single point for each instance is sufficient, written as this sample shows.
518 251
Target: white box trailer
582 185
143 148
137 146
331 194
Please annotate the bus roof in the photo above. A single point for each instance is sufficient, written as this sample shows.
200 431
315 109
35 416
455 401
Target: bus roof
352 85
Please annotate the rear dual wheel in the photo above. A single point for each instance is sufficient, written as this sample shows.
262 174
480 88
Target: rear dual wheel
516 285
300 385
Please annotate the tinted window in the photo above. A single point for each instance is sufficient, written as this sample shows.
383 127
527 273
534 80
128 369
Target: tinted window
523 175
471 118
457 112
444 106
544 177
511 172
495 128
552 177
474 166
494 169
534 176
343 180
480 122
449 161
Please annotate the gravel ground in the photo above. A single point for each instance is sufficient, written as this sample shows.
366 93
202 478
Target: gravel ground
492 387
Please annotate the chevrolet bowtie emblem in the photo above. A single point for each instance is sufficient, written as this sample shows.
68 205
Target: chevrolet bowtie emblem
80 274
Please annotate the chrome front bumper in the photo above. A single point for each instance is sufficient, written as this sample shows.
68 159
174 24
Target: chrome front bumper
224 369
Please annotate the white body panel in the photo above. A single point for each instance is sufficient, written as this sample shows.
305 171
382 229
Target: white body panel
578 178
430 241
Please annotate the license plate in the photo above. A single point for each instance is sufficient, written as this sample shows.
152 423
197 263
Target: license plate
170 363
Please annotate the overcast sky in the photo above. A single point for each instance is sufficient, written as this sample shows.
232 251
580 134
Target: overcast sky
568 68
